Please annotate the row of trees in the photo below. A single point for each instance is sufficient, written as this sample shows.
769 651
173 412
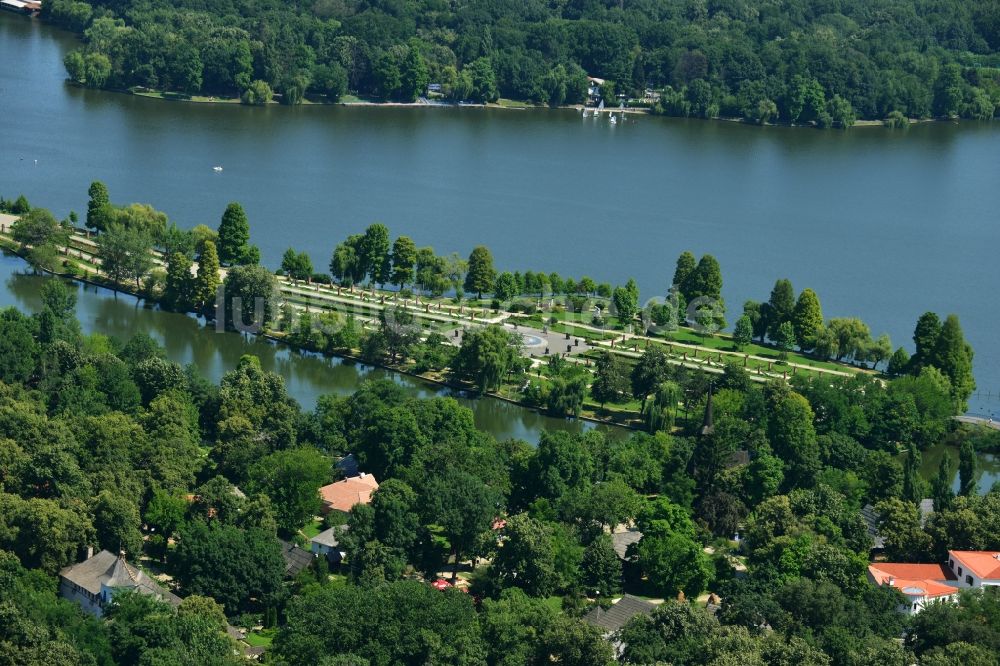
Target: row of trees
788 321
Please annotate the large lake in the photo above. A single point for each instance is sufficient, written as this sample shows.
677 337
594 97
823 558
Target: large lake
883 225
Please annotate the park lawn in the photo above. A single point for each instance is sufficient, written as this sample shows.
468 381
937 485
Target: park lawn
724 343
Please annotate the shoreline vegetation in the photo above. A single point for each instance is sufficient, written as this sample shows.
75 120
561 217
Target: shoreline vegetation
565 347
807 68
502 103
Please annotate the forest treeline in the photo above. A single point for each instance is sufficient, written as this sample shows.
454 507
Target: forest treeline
824 63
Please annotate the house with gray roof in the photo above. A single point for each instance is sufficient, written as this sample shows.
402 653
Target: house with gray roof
611 619
296 559
348 466
93 583
327 544
622 540
872 518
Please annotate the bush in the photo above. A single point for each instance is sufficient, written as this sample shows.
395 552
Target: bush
896 120
522 307
321 278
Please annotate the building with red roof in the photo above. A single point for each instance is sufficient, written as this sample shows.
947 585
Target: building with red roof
975 568
924 583
343 495
919 583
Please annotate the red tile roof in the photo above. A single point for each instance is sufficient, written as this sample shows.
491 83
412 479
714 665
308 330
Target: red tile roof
342 495
929 580
983 563
441 584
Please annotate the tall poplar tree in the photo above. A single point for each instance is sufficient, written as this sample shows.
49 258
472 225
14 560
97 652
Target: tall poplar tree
404 256
941 486
780 306
966 469
375 253
179 288
686 264
99 207
207 281
925 336
807 319
481 274
234 234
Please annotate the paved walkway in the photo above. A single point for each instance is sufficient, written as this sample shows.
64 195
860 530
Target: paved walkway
979 420
535 343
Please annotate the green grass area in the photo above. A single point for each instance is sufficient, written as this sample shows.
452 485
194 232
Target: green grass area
312 528
261 638
514 104
555 603
724 343
180 97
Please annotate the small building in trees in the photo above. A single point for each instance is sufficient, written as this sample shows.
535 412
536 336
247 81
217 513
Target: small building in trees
872 518
93 583
296 559
611 619
348 466
327 544
594 89
343 495
622 540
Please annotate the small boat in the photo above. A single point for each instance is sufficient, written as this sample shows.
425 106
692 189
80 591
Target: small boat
216 169
613 120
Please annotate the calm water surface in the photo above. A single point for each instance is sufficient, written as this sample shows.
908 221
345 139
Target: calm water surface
884 225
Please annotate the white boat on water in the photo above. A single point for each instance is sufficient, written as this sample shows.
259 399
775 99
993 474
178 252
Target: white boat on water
613 120
216 169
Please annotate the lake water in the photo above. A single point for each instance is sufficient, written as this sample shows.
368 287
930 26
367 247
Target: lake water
883 225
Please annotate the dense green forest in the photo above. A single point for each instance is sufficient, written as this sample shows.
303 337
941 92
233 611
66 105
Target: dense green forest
108 443
825 62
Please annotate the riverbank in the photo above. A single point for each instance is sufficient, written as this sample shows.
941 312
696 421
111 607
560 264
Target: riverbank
502 103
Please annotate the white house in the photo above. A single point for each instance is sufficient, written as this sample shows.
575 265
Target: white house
922 584
327 544
975 568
